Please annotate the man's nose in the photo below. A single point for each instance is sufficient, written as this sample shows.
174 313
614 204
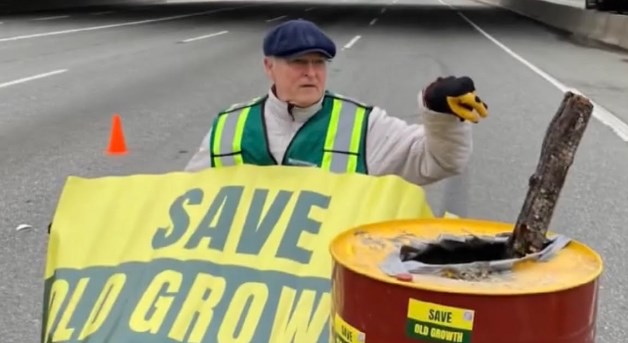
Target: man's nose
310 68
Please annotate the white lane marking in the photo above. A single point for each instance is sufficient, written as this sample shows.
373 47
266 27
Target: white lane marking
351 42
383 10
373 22
146 21
53 18
101 13
22 227
276 18
31 78
599 112
205 36
309 9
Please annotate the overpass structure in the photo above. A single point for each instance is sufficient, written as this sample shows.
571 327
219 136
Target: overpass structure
21 6
8 6
599 20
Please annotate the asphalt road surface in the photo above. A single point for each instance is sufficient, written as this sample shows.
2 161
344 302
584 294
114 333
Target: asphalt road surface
63 75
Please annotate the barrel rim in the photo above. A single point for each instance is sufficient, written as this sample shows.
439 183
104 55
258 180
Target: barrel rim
333 249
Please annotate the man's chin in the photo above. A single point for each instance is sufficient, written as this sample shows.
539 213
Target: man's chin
308 89
306 100
309 93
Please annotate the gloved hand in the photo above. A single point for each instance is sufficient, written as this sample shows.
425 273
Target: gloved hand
455 96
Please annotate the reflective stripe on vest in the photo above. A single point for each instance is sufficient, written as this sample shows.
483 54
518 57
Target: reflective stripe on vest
227 147
342 144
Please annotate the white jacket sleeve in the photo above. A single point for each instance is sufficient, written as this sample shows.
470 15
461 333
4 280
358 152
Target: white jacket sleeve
202 158
420 153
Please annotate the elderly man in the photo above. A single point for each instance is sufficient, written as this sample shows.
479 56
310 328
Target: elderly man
301 123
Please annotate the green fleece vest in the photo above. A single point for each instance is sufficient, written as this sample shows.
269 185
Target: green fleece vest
334 138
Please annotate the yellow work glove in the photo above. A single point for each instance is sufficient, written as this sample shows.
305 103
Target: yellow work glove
455 95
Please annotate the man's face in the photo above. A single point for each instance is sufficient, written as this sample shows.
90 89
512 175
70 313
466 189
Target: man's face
300 80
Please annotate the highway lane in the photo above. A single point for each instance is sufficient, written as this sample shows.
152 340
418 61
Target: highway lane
577 63
168 91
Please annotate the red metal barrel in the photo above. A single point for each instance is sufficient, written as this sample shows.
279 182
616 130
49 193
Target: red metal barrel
538 302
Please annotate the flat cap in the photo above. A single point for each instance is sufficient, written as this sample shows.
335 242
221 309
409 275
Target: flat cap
297 37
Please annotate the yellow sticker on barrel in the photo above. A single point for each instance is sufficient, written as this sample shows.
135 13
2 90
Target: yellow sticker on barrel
345 332
439 323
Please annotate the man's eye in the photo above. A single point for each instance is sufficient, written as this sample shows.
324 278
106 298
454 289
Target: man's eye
306 62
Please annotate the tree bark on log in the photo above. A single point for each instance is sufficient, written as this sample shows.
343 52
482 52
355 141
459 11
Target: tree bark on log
557 154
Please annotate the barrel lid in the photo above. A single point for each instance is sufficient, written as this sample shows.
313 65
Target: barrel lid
363 249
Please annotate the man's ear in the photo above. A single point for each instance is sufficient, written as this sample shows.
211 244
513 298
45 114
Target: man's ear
268 66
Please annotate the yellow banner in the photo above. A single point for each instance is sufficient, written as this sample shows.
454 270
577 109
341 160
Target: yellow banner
230 255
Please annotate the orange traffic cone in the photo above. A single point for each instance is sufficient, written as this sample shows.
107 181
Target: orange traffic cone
117 145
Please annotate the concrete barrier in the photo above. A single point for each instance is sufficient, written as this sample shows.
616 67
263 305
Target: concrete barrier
609 28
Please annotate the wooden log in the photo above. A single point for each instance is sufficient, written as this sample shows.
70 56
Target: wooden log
557 154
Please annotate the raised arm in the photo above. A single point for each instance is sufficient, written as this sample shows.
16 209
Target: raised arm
438 148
